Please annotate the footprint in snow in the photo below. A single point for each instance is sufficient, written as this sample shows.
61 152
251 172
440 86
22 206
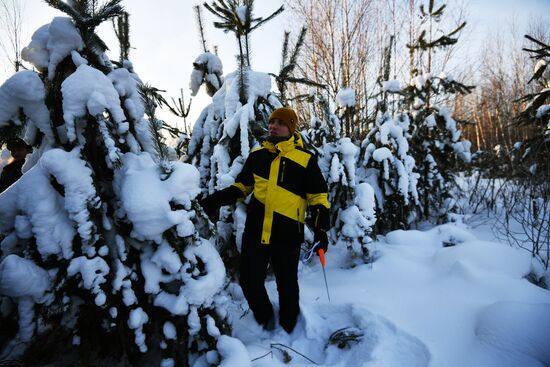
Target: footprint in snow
329 335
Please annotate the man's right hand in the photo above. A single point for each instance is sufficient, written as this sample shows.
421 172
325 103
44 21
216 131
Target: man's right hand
209 206
211 203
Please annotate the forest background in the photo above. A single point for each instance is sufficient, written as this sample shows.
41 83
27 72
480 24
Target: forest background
488 54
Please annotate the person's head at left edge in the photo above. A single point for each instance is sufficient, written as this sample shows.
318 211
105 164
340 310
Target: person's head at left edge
18 148
282 122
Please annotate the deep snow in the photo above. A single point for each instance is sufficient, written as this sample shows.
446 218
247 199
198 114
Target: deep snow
418 304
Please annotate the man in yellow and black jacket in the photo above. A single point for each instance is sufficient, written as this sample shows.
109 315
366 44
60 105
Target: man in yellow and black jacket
284 179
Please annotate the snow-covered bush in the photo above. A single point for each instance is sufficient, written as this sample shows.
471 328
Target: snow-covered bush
387 165
436 143
439 151
352 204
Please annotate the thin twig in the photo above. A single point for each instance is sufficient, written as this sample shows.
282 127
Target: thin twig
275 345
260 357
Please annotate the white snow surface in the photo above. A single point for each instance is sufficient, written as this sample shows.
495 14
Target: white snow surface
20 277
349 152
24 90
418 304
197 290
345 97
51 43
259 85
88 90
419 81
136 320
45 214
93 273
364 200
126 84
41 214
393 85
201 290
381 153
213 66
76 177
146 198
233 352
169 330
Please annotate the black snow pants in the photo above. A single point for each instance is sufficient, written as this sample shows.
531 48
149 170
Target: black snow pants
284 259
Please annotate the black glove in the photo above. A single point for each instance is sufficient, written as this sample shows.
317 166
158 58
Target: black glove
320 223
321 238
209 205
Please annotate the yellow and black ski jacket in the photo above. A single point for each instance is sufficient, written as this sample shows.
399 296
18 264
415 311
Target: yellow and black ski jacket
284 179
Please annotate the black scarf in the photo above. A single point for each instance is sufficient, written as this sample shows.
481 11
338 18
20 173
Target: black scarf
275 139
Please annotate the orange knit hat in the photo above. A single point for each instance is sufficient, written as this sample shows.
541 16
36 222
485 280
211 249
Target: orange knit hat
287 116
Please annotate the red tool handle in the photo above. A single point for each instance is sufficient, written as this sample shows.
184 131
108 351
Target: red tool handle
322 257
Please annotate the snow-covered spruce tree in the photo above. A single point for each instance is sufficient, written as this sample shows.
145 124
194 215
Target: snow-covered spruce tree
351 200
385 160
241 102
233 123
436 142
389 168
101 262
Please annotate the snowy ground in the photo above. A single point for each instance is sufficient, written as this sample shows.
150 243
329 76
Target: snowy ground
418 304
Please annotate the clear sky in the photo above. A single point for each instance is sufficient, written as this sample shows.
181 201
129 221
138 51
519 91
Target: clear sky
165 41
497 15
